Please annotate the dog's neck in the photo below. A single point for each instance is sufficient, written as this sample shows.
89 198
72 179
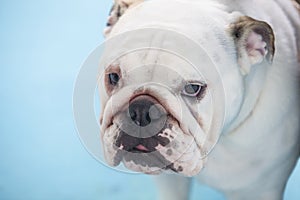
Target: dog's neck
253 87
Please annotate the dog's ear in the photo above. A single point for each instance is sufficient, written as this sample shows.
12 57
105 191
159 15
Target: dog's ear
254 41
117 10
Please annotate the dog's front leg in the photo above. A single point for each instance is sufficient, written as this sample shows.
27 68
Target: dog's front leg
173 187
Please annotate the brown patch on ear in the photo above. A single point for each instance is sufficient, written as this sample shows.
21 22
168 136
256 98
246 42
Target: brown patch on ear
297 4
243 31
117 10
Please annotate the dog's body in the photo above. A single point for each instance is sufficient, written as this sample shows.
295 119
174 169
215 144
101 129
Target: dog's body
259 143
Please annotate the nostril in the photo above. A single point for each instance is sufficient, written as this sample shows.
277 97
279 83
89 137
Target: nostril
148 119
133 115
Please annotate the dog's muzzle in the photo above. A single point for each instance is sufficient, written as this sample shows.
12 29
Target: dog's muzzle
141 123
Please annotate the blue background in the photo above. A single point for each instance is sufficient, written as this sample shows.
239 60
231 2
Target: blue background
42 45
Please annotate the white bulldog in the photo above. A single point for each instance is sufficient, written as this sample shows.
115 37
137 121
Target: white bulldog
159 114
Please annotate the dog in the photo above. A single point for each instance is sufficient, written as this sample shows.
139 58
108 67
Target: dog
160 115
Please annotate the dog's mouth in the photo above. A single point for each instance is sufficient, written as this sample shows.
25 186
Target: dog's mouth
147 138
168 149
142 151
133 144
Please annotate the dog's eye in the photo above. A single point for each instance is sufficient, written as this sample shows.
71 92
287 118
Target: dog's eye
113 78
194 89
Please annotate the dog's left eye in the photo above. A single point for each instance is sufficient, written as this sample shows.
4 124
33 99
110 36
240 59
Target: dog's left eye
113 78
194 89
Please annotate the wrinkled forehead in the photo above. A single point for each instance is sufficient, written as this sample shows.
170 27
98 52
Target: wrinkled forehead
157 65
151 55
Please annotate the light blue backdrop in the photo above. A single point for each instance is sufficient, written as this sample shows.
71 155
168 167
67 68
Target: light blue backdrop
42 45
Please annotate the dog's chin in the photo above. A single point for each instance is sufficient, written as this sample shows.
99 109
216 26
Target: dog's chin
172 150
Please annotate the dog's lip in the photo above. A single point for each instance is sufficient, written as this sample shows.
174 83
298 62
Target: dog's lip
129 143
134 96
141 147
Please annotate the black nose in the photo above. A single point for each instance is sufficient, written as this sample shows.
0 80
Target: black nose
143 112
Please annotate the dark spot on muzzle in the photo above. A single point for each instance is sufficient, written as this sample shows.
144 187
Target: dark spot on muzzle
154 159
169 152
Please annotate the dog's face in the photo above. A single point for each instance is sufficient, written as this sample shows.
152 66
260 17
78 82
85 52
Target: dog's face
154 113
157 109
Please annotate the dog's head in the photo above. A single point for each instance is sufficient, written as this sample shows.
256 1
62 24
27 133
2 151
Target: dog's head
157 108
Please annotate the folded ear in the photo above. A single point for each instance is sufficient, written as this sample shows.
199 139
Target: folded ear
117 10
254 41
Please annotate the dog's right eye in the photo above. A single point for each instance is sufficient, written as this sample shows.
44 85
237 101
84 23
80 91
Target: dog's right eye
113 78
194 89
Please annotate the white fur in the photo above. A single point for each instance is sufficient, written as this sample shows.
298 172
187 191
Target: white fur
260 141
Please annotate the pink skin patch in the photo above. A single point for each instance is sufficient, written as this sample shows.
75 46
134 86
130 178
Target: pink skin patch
141 148
256 47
